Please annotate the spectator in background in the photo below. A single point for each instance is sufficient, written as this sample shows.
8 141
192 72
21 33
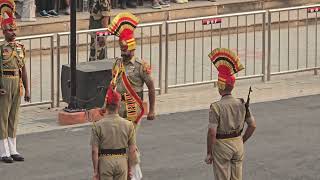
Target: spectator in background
26 9
67 12
100 12
128 3
159 4
47 8
181 1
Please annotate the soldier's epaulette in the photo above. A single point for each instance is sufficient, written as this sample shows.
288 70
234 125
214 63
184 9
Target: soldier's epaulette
214 105
138 60
145 65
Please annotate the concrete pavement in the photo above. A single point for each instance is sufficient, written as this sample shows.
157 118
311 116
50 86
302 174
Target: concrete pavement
285 146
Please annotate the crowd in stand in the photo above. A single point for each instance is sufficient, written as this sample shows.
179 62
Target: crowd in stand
26 9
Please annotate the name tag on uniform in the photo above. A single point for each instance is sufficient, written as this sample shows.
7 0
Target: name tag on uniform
130 69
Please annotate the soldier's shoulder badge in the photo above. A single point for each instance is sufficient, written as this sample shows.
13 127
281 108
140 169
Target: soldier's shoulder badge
146 67
214 105
6 51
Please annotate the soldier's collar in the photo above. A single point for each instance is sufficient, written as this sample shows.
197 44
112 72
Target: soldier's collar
112 115
226 96
132 60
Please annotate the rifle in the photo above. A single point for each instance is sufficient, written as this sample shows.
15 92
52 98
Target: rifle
247 104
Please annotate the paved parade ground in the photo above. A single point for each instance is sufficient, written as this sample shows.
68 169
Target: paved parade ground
285 146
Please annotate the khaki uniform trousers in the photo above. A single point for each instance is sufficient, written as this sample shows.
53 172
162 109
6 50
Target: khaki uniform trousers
228 157
10 105
113 167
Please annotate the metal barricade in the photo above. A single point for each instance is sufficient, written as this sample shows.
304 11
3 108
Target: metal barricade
188 41
40 68
292 46
149 48
292 40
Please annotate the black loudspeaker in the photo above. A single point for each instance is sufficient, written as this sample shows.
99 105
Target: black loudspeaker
93 78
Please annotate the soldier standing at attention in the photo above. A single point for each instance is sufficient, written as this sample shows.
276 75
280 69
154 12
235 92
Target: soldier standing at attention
110 139
99 18
129 74
226 120
13 77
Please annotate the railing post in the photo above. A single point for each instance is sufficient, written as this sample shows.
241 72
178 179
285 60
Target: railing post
264 46
316 48
58 70
52 71
167 58
160 58
269 47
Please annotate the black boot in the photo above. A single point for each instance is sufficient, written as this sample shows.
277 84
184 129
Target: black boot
123 4
7 159
17 157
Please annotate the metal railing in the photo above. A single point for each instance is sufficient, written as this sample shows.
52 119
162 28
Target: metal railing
189 65
291 45
149 47
295 49
39 50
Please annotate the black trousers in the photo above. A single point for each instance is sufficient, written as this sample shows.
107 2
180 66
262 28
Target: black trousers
47 5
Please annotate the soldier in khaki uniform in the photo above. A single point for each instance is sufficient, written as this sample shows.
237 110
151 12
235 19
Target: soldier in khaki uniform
110 139
99 18
226 121
129 76
13 76
130 73
138 74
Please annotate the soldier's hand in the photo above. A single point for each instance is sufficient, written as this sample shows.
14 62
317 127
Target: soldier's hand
3 92
129 174
96 177
209 159
151 116
27 97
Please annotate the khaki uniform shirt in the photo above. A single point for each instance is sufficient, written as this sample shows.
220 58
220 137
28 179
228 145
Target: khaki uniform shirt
13 55
137 72
113 132
228 115
12 58
99 8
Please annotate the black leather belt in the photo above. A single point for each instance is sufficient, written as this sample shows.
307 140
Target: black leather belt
11 73
110 152
226 136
